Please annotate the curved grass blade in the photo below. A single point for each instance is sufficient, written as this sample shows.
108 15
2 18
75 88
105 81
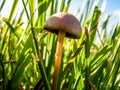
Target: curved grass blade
100 54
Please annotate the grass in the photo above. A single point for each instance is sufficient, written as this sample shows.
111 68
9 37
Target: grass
27 52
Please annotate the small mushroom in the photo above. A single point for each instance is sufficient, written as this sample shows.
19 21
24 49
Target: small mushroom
63 25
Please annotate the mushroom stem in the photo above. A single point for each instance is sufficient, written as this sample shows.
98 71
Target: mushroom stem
61 36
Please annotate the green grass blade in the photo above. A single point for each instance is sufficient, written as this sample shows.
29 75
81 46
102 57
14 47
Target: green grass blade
10 26
87 46
116 32
13 9
94 24
52 7
115 68
67 6
100 55
51 58
105 23
40 63
62 6
24 5
56 6
43 6
2 5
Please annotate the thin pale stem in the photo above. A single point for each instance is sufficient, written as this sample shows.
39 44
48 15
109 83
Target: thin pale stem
61 36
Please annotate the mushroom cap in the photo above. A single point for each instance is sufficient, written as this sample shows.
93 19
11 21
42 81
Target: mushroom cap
65 22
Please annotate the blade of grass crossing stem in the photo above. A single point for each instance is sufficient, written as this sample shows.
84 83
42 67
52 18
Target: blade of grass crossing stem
10 26
40 63
72 60
36 47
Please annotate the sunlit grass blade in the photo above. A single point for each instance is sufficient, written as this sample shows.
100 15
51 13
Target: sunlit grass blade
94 24
87 46
56 6
62 6
100 55
52 7
25 8
12 13
104 24
52 55
67 5
115 67
116 33
43 6
10 26
38 56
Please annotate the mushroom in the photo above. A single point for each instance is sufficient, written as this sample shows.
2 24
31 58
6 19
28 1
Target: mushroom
63 25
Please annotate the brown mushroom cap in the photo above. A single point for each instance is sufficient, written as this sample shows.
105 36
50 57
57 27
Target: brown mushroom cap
65 22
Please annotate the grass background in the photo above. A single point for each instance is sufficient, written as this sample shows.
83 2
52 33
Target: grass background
27 52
